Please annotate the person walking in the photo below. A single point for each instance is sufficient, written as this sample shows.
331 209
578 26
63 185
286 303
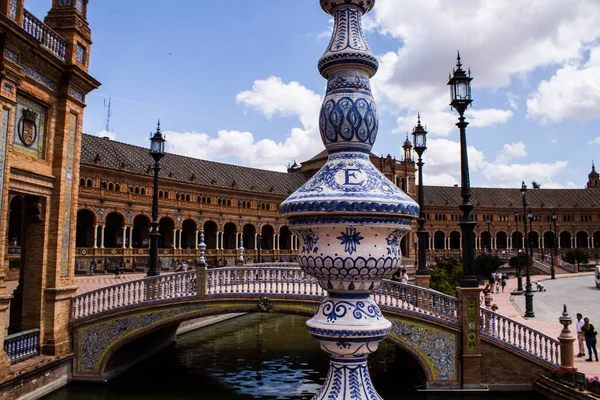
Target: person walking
580 338
590 338
503 284
404 276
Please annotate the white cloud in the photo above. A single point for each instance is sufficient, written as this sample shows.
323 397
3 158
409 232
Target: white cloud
442 162
572 92
413 78
513 100
511 151
271 97
511 175
595 140
109 134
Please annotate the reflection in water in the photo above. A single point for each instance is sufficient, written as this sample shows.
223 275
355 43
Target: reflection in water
267 356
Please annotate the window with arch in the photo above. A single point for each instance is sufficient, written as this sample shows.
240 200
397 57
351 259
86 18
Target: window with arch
103 185
137 190
166 194
82 182
117 187
143 191
187 197
89 183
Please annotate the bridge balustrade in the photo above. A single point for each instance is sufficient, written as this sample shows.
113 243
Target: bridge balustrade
418 299
517 335
22 345
272 279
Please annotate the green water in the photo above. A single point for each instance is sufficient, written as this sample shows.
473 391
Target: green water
265 356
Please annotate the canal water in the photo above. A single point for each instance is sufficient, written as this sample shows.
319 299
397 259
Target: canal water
256 356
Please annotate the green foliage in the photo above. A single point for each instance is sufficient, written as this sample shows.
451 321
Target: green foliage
446 275
485 264
576 256
520 260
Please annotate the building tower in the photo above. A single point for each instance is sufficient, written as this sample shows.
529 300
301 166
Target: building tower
350 217
593 178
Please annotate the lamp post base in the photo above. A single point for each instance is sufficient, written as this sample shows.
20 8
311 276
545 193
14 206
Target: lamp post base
422 280
529 305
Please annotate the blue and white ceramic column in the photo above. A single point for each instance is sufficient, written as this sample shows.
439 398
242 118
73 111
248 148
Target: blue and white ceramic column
349 216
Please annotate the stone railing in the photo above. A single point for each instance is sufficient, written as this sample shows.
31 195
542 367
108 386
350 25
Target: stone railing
181 284
266 279
46 36
22 345
417 299
520 337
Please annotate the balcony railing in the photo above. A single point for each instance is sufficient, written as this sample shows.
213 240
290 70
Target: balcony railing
22 345
46 36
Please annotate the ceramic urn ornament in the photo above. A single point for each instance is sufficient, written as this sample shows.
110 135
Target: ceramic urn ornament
349 216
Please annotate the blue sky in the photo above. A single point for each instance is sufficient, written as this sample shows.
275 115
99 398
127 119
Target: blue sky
236 81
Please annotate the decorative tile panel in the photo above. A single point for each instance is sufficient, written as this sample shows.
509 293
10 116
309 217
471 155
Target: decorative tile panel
3 136
79 5
436 348
30 127
12 12
11 56
76 94
27 70
68 194
80 53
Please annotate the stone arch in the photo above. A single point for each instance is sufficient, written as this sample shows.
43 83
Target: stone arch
114 224
285 238
439 240
533 238
517 240
581 240
455 240
111 186
564 239
549 239
486 240
82 182
141 229
267 231
117 187
89 183
188 234
210 234
248 235
143 191
230 236
501 240
166 227
86 223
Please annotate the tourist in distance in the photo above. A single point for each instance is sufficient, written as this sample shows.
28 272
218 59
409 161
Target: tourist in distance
580 338
404 276
590 338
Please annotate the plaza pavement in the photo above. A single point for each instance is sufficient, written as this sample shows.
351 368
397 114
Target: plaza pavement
512 306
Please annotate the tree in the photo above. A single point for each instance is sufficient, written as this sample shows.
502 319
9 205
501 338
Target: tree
535 185
520 260
446 275
576 256
485 264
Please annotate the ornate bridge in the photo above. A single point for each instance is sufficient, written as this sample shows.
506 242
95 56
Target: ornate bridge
426 323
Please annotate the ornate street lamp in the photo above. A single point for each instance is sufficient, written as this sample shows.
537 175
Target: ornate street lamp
460 93
488 222
555 246
519 274
528 292
420 145
259 240
157 151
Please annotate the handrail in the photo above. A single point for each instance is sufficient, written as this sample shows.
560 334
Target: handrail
44 34
519 336
179 284
22 345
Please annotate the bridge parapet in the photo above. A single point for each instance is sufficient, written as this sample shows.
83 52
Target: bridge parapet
519 337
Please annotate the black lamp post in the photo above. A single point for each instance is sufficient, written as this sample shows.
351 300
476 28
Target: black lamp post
528 292
460 93
157 151
420 141
488 222
259 240
519 274
555 246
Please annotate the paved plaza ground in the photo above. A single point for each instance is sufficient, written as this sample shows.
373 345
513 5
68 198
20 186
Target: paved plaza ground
578 291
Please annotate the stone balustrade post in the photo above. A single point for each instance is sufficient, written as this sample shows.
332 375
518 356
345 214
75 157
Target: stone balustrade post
470 319
201 280
567 340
